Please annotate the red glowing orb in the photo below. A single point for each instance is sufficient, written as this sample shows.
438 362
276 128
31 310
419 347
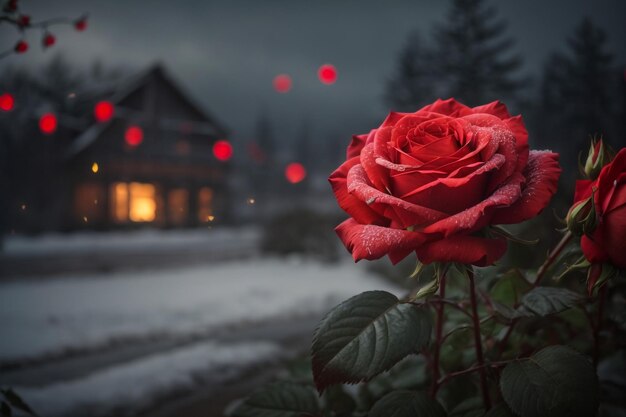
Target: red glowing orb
7 102
223 150
282 83
48 123
327 74
295 172
81 24
21 47
133 135
103 111
48 40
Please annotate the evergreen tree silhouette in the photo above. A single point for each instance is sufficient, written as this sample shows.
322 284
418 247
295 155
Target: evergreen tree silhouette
471 60
577 93
473 55
411 85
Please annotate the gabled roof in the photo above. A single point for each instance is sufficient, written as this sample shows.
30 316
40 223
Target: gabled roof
118 93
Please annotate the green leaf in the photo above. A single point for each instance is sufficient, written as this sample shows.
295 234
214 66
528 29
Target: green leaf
407 404
16 401
500 410
509 287
279 400
338 402
557 382
471 407
542 301
366 335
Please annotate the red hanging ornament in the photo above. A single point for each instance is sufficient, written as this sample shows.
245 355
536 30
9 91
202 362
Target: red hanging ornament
327 74
295 172
21 47
81 24
23 21
103 111
49 40
48 123
134 135
222 150
7 102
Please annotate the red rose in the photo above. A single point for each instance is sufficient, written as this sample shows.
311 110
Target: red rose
607 242
429 181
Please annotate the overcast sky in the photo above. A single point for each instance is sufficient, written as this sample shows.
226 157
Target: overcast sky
226 53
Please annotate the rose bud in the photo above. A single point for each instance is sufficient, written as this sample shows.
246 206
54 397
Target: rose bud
598 157
21 47
81 24
49 40
581 218
23 21
598 274
606 243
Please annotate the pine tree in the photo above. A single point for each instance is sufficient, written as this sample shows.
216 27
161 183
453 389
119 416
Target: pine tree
473 57
411 85
577 93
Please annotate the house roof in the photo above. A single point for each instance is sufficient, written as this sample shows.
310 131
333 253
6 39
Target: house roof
116 94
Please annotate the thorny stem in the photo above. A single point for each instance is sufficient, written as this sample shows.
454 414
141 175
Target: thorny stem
478 342
597 326
540 273
438 336
474 368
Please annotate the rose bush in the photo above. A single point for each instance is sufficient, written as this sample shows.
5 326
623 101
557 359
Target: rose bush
607 241
432 180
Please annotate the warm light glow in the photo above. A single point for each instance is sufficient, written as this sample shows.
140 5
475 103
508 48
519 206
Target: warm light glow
178 206
295 172
251 201
7 102
135 202
48 123
103 111
205 203
94 167
282 83
133 135
223 150
327 74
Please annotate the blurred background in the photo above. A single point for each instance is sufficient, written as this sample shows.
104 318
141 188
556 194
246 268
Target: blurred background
166 224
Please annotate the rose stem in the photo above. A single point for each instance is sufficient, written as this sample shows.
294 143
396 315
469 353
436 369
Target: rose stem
598 325
480 360
540 273
438 336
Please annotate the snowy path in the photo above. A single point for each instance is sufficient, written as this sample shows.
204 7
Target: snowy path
128 338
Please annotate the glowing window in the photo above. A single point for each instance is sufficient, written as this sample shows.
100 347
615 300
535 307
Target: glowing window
205 204
135 202
178 205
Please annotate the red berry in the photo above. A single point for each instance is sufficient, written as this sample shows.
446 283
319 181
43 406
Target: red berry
11 6
23 21
80 24
21 47
49 40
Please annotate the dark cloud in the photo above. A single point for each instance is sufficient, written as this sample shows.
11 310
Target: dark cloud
227 52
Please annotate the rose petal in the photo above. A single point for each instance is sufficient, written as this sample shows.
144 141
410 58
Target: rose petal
366 241
593 251
516 124
469 250
350 204
449 107
355 146
496 108
607 177
359 186
480 215
542 176
451 194
583 190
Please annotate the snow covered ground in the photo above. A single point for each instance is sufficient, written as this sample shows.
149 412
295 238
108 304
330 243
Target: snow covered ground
49 318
